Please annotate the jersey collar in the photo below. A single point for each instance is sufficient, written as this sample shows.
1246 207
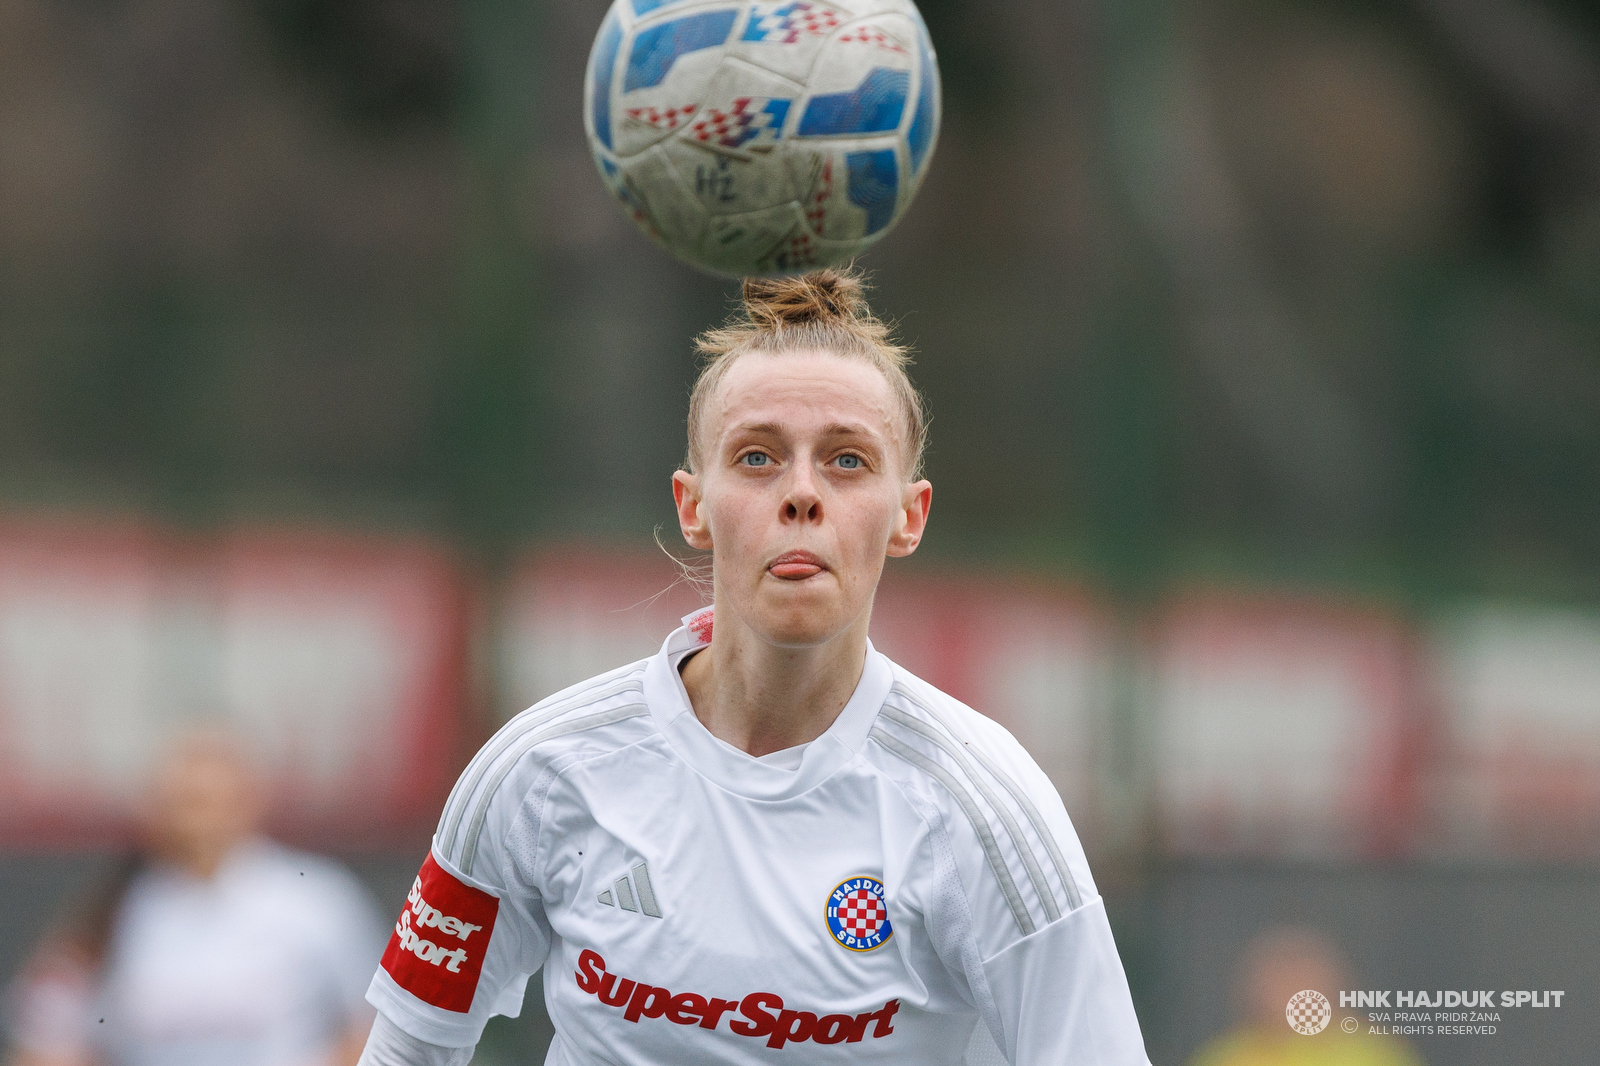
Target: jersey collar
734 770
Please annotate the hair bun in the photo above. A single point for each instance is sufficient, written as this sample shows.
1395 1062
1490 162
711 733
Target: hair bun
822 296
825 311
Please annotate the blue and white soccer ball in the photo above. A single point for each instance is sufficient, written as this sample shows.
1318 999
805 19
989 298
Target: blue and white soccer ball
764 137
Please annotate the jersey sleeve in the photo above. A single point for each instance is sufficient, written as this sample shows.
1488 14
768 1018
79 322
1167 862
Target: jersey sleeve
389 1045
1005 890
1060 992
1061 996
473 928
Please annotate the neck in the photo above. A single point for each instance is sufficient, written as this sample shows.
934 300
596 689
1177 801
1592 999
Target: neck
761 698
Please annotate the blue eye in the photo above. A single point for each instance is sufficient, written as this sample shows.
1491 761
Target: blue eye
850 462
755 459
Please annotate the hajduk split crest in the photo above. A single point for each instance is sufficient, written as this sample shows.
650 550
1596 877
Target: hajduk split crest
857 915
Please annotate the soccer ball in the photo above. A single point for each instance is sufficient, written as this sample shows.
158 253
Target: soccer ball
762 138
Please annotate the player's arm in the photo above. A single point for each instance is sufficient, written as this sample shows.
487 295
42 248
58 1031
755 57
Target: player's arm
461 951
350 1043
1059 991
1034 948
473 927
1061 995
390 1045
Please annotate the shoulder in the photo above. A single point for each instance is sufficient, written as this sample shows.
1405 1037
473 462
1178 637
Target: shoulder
1010 837
912 697
941 741
589 719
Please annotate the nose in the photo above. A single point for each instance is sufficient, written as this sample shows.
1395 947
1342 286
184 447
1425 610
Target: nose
802 502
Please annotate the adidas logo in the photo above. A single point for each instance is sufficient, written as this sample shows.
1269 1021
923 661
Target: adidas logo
623 893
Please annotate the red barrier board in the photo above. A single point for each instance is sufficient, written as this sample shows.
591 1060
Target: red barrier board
1518 770
336 659
1283 727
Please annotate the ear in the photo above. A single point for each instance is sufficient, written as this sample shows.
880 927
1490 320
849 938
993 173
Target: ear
911 519
691 518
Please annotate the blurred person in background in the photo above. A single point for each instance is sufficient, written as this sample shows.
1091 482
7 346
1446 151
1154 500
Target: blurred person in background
1277 964
209 946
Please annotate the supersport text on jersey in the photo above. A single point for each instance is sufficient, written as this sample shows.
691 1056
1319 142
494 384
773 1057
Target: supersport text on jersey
764 1014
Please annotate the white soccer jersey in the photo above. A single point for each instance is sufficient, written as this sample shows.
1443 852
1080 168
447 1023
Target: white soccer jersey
867 898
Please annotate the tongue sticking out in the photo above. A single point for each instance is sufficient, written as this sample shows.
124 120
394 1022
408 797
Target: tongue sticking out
794 571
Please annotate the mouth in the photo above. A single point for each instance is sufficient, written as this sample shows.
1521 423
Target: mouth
796 566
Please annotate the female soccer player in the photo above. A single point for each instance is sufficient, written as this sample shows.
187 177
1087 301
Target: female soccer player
767 842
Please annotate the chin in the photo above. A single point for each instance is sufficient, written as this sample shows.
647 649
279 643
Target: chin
798 637
804 622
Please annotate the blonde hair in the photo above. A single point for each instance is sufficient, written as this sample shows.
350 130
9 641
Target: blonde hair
822 311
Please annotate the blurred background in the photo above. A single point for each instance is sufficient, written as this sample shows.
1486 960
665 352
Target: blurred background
1262 339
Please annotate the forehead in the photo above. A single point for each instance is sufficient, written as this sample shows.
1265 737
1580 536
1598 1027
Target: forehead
800 389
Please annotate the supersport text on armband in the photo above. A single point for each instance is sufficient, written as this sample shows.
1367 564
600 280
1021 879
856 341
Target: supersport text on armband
763 1013
432 918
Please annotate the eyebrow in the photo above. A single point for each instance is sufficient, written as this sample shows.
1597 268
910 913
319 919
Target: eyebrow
833 429
771 428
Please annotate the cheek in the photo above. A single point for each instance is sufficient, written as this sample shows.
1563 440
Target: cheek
869 528
733 520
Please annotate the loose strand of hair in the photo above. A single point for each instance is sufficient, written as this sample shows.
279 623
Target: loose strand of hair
695 573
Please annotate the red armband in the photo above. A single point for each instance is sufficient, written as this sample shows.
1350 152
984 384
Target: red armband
439 943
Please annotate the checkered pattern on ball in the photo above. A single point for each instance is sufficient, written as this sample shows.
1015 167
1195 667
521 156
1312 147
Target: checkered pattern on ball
1309 1012
747 120
790 22
662 118
874 36
862 913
